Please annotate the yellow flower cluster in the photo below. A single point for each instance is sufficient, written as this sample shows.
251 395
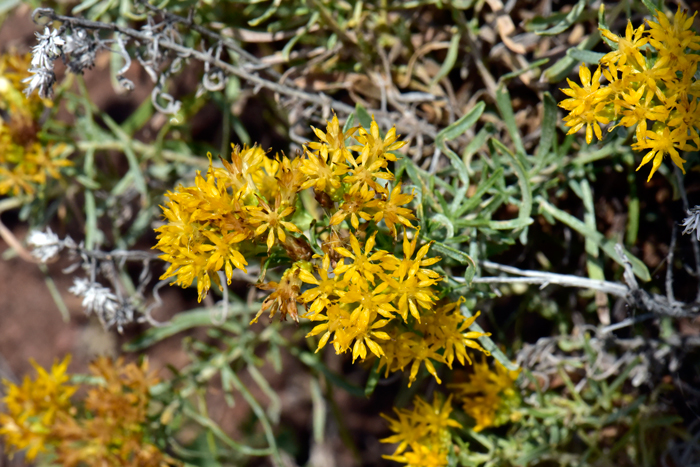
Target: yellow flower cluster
25 162
359 293
657 91
32 408
425 430
109 431
489 396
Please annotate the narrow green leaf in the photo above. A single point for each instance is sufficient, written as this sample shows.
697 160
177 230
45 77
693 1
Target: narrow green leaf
373 379
653 7
569 20
197 317
91 232
349 122
450 59
516 73
362 116
633 209
549 130
289 45
443 220
463 124
455 130
586 56
608 246
506 110
208 423
271 10
460 257
524 182
134 166
87 182
139 117
318 407
593 262
55 294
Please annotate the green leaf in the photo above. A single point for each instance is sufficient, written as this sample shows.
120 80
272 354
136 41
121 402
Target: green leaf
525 211
318 407
608 246
455 130
653 7
134 166
271 10
506 110
460 257
586 56
549 129
87 182
362 116
568 20
138 118
198 317
516 73
373 379
91 232
450 59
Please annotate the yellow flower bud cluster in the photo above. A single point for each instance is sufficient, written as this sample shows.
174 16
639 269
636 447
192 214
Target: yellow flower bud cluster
489 397
359 292
111 431
25 162
656 91
425 430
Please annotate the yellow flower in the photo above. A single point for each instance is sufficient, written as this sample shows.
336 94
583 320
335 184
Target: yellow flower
637 111
413 293
425 430
687 119
33 408
335 317
448 327
672 40
322 174
363 266
333 140
661 143
354 205
422 456
410 265
327 289
587 104
660 88
391 211
365 337
26 164
271 220
627 47
489 397
114 432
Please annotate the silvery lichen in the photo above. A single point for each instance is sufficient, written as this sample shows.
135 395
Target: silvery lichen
101 301
82 50
49 48
692 222
45 245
